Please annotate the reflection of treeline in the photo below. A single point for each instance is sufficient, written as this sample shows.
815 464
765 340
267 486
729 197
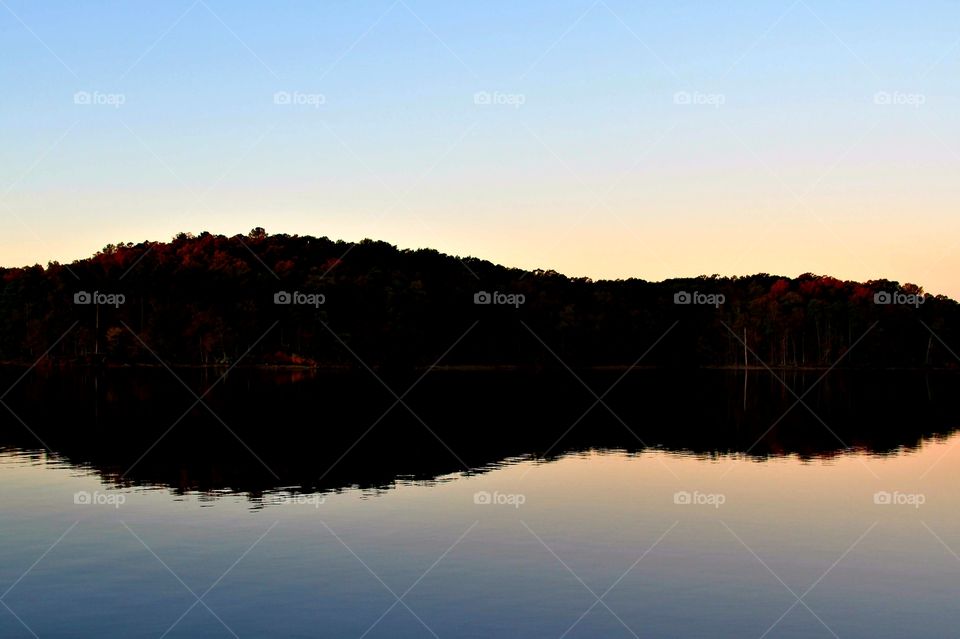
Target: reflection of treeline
207 299
327 430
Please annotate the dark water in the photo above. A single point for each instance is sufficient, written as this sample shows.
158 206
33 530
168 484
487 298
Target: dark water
512 504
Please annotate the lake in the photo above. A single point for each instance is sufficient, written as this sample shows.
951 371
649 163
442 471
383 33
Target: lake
479 504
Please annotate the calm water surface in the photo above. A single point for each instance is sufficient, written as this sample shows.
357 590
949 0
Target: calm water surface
693 536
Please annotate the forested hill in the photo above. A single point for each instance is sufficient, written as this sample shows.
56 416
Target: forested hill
281 299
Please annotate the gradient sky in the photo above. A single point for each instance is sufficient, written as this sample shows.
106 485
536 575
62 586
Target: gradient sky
820 136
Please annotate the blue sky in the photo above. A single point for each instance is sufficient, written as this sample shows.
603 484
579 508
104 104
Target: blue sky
807 135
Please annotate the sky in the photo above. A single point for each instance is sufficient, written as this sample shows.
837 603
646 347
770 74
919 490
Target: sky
600 138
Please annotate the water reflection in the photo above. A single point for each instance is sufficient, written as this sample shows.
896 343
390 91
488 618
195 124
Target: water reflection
613 523
278 434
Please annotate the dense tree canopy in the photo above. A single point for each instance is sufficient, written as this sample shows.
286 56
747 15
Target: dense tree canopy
281 299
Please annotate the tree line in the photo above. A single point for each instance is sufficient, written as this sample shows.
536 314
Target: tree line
308 301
